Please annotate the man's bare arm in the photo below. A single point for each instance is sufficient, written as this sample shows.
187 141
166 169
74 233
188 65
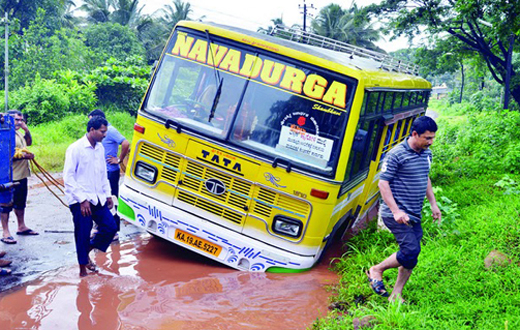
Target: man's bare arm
399 215
436 212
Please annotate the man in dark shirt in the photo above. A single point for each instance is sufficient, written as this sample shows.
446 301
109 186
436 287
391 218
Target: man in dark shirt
404 183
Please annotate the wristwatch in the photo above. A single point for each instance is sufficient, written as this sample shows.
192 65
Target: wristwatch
118 160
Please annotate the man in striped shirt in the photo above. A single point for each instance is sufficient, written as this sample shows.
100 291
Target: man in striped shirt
404 183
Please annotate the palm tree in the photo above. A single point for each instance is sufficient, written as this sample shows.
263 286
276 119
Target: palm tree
269 29
126 12
98 11
67 17
172 15
346 25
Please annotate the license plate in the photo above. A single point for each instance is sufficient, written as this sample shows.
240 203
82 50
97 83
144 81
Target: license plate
197 242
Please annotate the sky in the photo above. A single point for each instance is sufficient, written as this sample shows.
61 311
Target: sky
251 15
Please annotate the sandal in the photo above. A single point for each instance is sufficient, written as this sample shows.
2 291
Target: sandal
8 240
377 286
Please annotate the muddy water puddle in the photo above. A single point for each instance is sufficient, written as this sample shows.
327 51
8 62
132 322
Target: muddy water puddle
148 283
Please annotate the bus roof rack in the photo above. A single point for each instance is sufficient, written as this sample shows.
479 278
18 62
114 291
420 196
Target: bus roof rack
385 61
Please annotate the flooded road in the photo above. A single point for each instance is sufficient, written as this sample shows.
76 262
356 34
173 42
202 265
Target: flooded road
148 283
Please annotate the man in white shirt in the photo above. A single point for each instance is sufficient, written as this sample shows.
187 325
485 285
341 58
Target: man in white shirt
87 191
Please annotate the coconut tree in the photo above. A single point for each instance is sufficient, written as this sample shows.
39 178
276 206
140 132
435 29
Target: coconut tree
269 29
97 11
170 15
347 25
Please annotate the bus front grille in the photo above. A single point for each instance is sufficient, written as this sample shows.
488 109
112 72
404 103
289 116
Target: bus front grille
170 163
240 195
237 192
210 207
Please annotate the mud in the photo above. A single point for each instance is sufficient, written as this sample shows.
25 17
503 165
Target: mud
148 283
145 283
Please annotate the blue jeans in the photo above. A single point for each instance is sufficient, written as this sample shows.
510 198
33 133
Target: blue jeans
83 225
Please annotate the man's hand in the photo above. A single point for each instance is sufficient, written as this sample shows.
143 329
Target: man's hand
28 155
23 125
401 217
110 203
85 208
436 214
112 160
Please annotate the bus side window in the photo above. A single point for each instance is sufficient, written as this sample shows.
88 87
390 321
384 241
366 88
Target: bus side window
389 99
371 106
415 98
406 100
359 161
398 100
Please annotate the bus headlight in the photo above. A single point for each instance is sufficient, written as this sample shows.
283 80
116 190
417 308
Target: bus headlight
145 172
287 226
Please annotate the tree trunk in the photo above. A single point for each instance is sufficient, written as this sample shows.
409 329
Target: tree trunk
515 93
461 81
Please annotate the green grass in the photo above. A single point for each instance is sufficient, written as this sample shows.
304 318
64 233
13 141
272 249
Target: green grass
450 288
51 140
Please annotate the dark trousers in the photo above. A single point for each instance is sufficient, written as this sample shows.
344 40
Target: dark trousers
113 179
409 240
83 225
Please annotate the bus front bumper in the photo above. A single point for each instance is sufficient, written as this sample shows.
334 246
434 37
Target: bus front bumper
206 238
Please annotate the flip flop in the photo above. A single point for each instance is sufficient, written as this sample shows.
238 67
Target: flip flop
5 263
8 240
2 254
27 232
4 272
377 286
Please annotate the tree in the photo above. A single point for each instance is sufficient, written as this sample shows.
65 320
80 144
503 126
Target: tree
127 13
487 27
39 51
270 29
26 11
172 15
346 25
98 11
112 40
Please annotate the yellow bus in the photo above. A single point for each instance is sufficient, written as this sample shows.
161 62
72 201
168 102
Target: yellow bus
258 150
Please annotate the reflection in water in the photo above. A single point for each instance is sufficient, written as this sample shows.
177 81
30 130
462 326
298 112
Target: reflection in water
151 284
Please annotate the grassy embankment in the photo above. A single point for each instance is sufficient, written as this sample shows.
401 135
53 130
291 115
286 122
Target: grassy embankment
451 288
52 139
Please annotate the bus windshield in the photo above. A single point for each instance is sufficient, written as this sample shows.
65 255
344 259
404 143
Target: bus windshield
268 104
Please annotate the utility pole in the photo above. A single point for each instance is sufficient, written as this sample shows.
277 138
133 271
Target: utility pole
305 7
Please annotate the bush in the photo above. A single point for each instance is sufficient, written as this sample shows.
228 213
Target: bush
122 83
118 83
485 143
47 100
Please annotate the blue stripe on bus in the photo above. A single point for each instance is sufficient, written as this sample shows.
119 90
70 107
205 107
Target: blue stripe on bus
279 208
158 162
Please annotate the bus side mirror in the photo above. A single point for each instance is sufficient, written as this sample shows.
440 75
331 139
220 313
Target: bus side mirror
360 140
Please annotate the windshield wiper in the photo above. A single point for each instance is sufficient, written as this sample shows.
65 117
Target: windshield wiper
172 123
215 100
219 81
